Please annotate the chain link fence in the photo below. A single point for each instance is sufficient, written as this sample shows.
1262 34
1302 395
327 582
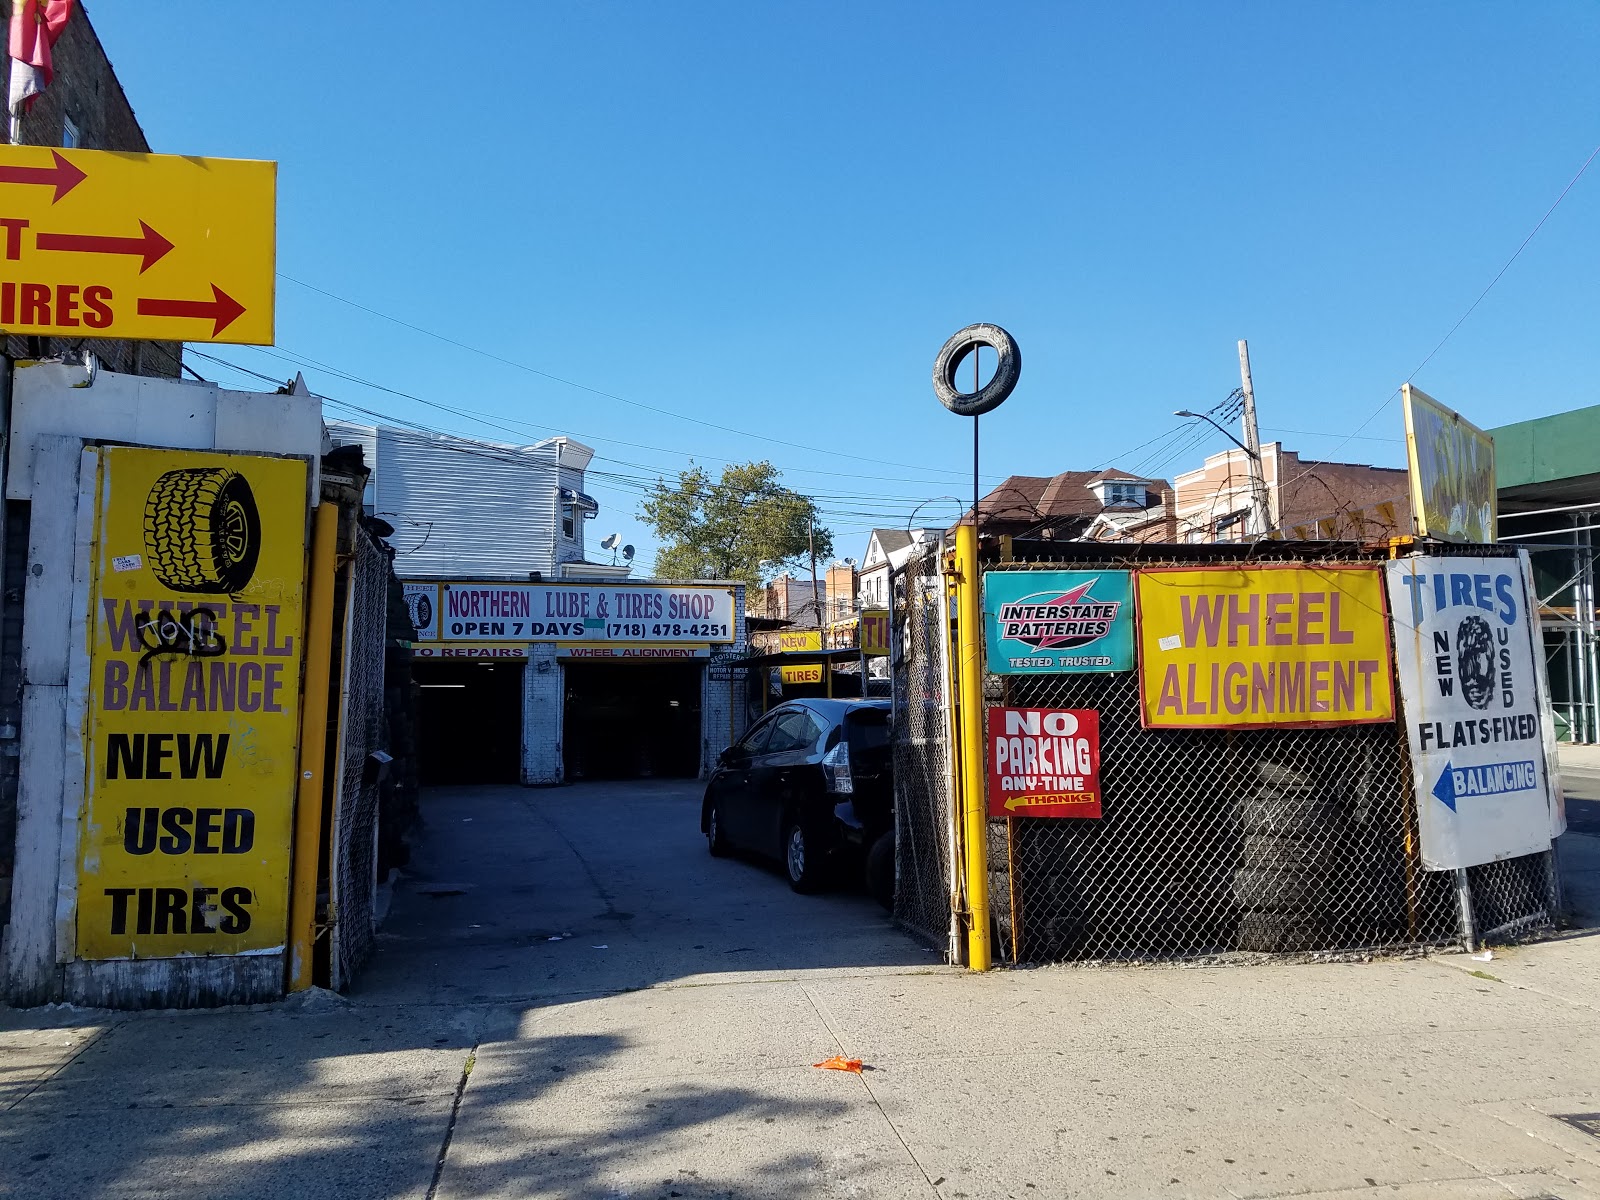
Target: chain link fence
1213 844
353 852
925 820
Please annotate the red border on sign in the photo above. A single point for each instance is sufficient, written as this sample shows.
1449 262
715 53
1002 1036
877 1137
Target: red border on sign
1388 640
1036 801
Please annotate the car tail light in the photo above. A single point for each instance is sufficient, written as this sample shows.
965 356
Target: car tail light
836 770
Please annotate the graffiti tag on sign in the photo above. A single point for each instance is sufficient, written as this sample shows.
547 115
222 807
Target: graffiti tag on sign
1044 762
1464 641
1263 647
193 704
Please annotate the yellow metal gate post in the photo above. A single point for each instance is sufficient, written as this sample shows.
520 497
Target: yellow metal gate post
313 747
974 810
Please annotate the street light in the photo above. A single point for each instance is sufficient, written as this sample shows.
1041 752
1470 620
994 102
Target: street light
1260 510
1183 412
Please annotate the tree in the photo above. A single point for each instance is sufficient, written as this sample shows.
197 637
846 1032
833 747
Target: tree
745 526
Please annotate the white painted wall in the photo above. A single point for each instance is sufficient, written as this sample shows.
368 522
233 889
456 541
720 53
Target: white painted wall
49 398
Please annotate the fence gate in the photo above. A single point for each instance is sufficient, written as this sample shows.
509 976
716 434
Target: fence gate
353 845
925 820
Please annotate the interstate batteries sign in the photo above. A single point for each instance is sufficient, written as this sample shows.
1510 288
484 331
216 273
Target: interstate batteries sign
572 612
1263 647
1039 622
1464 642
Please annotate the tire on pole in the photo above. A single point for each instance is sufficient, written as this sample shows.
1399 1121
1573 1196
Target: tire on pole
955 351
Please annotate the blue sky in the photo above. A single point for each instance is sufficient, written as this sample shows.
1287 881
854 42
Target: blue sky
769 216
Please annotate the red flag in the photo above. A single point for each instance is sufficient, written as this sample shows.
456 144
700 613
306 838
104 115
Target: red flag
35 27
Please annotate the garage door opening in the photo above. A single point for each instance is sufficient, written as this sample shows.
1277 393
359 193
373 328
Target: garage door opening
469 719
632 720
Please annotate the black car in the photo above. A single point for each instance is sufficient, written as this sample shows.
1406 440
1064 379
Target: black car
809 784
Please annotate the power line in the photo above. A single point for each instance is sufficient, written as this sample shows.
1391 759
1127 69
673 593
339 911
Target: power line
501 422
877 510
1471 308
666 412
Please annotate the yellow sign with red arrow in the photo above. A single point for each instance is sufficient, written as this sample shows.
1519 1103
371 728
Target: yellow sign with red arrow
154 246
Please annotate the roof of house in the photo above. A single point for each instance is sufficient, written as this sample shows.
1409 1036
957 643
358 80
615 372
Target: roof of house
892 539
1042 499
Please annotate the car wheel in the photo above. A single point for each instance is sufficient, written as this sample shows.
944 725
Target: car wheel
716 840
801 859
880 871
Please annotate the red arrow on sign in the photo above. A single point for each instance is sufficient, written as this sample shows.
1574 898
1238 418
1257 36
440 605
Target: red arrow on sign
222 308
149 245
63 176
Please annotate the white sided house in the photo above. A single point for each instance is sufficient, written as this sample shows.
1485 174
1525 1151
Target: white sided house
888 550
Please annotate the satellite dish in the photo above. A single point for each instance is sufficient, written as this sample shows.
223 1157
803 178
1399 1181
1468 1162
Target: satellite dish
627 553
610 541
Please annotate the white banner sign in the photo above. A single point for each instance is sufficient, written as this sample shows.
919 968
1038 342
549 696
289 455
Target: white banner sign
1464 645
571 612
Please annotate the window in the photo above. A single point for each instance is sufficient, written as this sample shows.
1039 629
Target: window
867 729
796 729
569 523
70 135
1230 526
1131 494
755 740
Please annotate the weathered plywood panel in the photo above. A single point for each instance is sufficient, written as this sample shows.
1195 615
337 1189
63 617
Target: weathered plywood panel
46 649
30 937
197 982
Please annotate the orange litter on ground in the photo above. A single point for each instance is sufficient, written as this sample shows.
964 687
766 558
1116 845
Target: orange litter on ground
840 1063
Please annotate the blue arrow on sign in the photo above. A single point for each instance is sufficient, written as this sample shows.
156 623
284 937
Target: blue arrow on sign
1445 789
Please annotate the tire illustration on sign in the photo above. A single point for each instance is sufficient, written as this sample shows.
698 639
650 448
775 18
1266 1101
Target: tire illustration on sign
421 606
1475 661
202 530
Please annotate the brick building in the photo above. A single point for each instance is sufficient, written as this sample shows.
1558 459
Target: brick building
86 107
1306 499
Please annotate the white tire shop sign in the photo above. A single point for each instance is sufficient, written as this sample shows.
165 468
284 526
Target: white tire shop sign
574 612
1476 716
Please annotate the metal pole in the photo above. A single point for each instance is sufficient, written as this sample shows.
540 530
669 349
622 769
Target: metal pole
1260 512
313 746
974 811
1587 647
977 386
941 597
1469 934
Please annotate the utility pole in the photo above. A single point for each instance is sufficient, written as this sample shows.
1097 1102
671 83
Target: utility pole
1260 510
816 598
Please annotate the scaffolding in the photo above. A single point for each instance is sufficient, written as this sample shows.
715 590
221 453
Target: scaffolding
1562 545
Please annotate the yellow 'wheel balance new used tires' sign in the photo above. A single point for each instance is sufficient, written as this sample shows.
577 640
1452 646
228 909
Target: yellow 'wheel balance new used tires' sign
195 623
1263 647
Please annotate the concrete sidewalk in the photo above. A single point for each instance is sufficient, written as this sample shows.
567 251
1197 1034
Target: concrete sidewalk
663 1047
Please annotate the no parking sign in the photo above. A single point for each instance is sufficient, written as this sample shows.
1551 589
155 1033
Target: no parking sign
1044 762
